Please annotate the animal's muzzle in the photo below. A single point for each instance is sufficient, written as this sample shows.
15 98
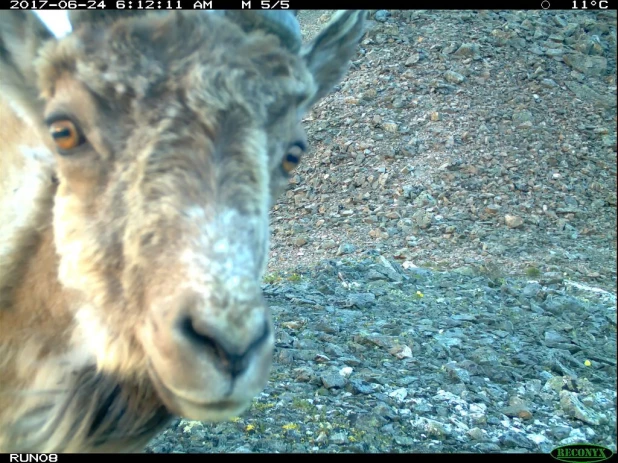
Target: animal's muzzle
210 352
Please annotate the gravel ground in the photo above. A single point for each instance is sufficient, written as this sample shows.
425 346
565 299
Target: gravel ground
443 266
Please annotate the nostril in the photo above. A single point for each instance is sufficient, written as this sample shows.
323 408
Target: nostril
205 338
187 328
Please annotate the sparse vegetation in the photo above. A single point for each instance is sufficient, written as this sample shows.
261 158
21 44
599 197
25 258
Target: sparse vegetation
533 272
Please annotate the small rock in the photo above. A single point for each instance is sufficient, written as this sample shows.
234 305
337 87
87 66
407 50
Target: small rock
466 271
573 407
424 199
431 427
526 25
401 352
345 248
492 209
346 371
242 449
360 387
588 65
351 100
575 436
398 103
392 215
556 38
404 441
382 15
333 380
478 414
609 141
559 21
470 50
585 93
555 339
454 77
339 438
514 439
489 447
293 324
549 83
531 290
457 373
553 384
570 29
384 410
476 434
512 221
525 125
369 94
522 116
399 394
550 278
300 241
422 219
390 127
303 374
328 244
361 300
519 411
560 431
450 48
374 275
539 34
554 52
390 30
412 59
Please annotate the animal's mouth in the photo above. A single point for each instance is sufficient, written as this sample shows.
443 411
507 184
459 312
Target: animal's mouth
179 404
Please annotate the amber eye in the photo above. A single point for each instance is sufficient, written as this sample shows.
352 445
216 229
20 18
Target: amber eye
65 134
292 158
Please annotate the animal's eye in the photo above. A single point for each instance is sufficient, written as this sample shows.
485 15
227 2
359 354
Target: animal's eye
292 157
66 135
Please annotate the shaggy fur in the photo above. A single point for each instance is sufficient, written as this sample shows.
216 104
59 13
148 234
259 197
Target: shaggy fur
130 268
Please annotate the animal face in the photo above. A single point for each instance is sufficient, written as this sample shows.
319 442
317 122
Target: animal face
172 136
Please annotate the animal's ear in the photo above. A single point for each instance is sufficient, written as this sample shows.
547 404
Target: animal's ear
327 56
22 34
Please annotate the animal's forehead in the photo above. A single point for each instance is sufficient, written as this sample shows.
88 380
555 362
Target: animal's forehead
181 54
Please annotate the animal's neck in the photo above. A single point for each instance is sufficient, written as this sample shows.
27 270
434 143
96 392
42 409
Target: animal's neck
34 300
40 294
64 403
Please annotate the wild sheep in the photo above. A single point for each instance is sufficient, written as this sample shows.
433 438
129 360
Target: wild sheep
139 159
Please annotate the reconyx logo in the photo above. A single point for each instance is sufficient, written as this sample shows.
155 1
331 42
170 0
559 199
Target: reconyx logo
581 453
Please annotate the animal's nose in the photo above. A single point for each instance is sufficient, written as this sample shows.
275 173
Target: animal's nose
225 329
210 350
228 353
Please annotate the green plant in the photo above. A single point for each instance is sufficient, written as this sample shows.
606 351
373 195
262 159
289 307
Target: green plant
533 272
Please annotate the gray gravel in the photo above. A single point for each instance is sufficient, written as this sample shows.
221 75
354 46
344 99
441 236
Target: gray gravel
374 358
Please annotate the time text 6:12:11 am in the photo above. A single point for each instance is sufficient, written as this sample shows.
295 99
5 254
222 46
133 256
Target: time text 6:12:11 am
149 4
95 4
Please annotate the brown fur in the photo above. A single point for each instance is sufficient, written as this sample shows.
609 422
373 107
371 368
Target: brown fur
130 268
